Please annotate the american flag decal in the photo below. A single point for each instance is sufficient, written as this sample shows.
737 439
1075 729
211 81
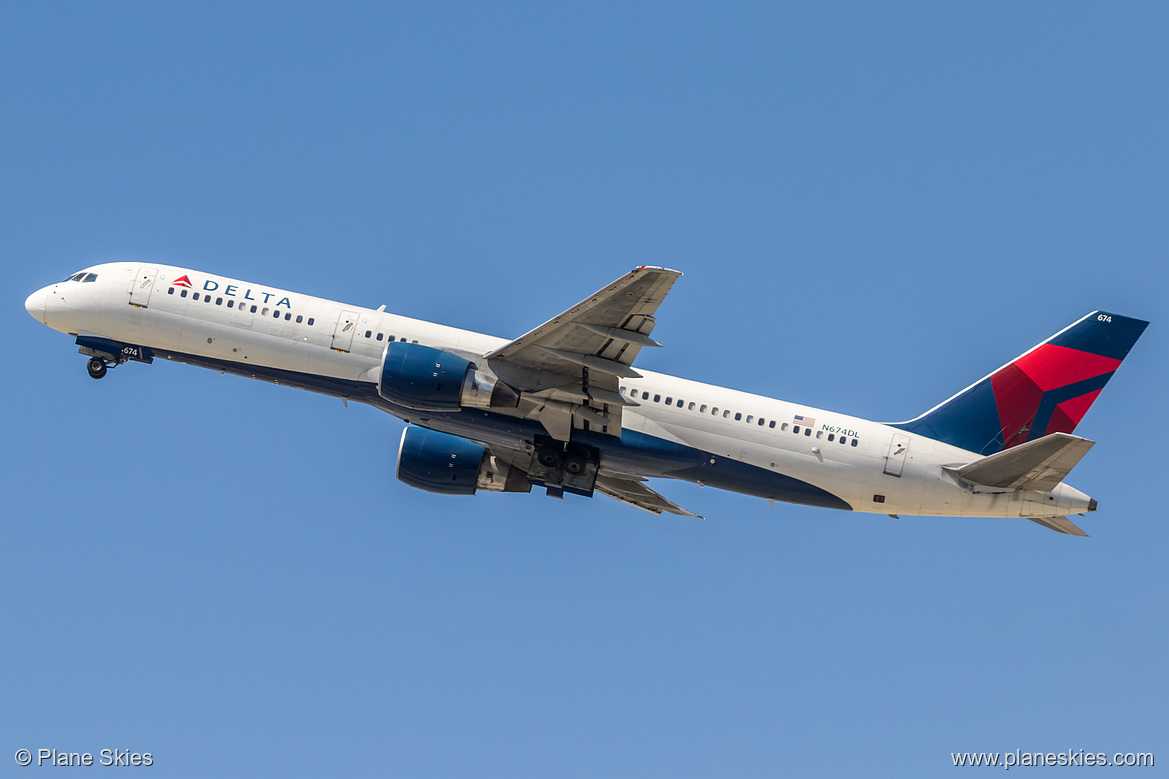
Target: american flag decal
805 421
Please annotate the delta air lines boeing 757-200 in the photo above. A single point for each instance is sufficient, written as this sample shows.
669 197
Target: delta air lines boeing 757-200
563 407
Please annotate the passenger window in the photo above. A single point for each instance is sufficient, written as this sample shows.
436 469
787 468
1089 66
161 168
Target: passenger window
299 319
702 409
771 424
206 298
738 416
219 301
854 442
691 406
783 427
414 342
762 420
831 437
379 336
807 431
195 296
310 319
369 333
231 304
843 440
796 429
819 434
183 294
170 291
264 312
714 411
727 414
253 309
275 313
669 401
680 403
657 398
288 317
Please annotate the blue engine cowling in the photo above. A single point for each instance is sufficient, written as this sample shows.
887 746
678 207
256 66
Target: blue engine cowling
428 379
422 377
450 465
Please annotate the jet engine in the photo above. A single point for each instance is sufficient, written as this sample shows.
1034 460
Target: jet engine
450 465
428 379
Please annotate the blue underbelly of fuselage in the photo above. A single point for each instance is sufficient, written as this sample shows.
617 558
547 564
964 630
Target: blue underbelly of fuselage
633 453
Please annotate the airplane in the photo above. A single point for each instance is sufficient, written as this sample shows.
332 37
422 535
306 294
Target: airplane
562 407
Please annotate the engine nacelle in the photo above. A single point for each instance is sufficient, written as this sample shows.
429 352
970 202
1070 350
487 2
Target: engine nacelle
428 379
450 465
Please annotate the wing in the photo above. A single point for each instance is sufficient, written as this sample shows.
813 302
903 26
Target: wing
635 493
627 489
570 367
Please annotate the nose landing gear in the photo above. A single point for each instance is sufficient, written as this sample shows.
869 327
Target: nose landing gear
96 368
104 354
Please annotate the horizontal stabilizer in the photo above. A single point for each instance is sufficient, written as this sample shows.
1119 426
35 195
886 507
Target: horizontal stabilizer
1059 525
1036 465
632 491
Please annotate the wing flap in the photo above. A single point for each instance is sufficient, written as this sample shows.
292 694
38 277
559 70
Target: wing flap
1036 465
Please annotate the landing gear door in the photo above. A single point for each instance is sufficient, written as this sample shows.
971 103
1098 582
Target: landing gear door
898 449
343 334
143 286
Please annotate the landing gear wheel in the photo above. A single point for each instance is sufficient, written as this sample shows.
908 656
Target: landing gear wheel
574 464
548 456
96 368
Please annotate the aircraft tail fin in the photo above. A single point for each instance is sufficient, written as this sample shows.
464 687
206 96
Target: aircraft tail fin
1046 390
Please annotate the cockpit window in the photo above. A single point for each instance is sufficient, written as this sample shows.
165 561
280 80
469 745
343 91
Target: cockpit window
90 277
76 276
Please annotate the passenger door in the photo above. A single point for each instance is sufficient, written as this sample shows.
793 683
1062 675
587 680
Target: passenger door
343 333
895 460
143 286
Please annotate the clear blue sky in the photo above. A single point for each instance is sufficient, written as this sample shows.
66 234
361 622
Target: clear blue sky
874 205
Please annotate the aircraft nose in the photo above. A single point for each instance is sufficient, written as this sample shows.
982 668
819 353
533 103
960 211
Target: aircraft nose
35 304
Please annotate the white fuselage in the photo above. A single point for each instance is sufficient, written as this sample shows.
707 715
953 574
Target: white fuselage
871 466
